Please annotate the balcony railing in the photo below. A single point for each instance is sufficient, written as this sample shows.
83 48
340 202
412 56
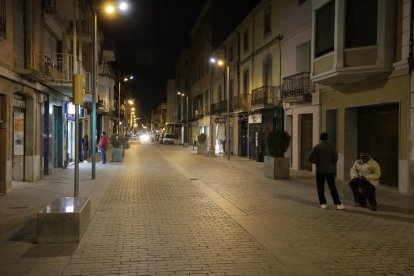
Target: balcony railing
264 95
215 108
297 88
241 102
59 67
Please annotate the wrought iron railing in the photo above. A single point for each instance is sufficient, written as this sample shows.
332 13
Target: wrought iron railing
263 95
297 85
215 108
241 102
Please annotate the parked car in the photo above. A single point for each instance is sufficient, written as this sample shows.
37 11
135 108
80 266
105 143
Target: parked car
168 138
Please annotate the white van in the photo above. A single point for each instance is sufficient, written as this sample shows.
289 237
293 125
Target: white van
168 138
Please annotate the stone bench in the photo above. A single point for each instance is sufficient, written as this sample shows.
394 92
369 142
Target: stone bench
64 220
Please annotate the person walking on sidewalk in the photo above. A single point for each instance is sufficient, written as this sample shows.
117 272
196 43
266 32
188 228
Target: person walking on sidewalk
324 156
365 174
103 146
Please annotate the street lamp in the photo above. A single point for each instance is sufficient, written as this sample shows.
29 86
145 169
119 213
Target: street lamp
221 63
108 10
186 128
125 79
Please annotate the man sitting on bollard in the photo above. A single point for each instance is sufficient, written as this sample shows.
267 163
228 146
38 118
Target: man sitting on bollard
365 174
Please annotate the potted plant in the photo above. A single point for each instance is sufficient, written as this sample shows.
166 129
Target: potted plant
117 142
201 139
276 165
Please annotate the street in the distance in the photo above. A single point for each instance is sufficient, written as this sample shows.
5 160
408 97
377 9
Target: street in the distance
166 210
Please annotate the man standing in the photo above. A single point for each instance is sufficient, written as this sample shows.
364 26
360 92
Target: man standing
324 156
103 146
365 174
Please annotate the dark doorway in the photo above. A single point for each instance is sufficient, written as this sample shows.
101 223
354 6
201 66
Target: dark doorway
306 130
378 134
57 137
243 138
45 138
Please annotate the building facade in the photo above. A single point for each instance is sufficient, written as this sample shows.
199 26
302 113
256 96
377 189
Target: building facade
41 52
361 61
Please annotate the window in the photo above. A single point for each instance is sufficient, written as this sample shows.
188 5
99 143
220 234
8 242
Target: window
186 63
324 33
300 2
246 82
267 72
231 54
246 40
361 23
3 34
303 57
267 20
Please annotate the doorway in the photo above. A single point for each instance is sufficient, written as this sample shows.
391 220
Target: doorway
378 134
306 131
19 110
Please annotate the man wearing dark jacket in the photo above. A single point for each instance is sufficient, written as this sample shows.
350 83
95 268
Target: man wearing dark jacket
324 156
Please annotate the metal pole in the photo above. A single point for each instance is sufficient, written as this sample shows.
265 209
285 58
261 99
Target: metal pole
119 104
188 134
228 112
75 71
94 79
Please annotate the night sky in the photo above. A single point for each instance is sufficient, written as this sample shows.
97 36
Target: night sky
147 41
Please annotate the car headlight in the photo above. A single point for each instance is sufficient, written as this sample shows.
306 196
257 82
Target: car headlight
144 138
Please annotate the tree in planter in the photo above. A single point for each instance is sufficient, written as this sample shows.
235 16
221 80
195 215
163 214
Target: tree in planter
276 165
117 142
202 139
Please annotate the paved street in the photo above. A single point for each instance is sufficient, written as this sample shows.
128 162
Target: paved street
168 211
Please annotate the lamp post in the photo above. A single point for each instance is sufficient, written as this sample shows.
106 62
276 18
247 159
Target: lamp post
186 124
227 79
125 79
109 9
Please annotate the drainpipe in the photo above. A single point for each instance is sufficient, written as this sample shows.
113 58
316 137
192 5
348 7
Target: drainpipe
411 107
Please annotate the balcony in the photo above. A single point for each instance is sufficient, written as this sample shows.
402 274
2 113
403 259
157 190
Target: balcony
215 108
241 103
297 88
361 49
59 71
102 106
263 97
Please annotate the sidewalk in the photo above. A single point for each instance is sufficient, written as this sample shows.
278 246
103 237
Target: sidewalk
21 205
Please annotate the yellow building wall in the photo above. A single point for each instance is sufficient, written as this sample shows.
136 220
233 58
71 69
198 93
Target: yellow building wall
378 90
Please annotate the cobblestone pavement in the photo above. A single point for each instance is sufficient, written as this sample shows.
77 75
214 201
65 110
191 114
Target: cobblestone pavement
168 211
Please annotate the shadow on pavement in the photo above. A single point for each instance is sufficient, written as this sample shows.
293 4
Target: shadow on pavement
50 250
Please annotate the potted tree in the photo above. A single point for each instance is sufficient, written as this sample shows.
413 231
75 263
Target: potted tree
276 165
201 146
117 142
